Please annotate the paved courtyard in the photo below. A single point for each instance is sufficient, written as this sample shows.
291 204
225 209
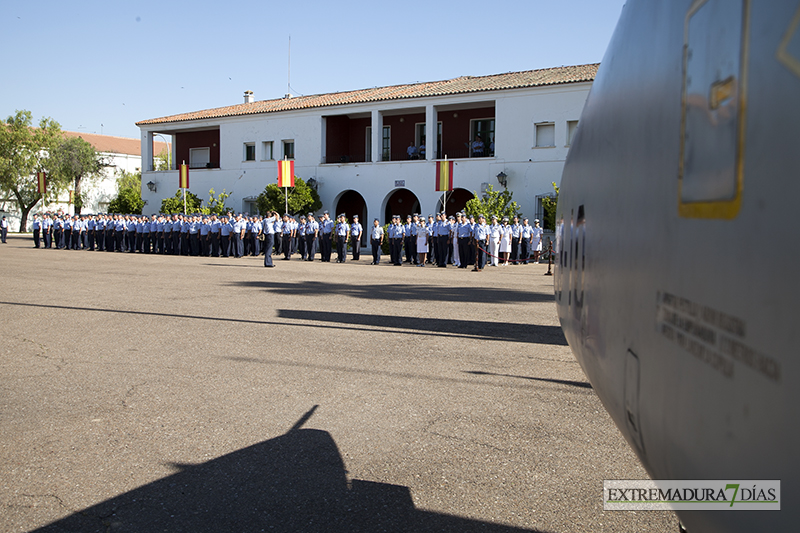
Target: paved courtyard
156 393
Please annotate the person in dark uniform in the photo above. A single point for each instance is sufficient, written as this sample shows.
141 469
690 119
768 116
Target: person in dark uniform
268 227
326 231
342 230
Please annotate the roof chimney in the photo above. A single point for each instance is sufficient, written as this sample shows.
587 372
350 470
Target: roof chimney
248 97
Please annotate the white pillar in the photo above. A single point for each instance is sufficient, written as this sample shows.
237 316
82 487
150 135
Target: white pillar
147 151
377 135
430 132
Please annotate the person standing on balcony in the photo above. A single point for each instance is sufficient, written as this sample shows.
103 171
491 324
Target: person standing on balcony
422 150
412 151
477 147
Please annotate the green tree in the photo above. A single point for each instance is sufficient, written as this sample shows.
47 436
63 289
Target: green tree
216 206
129 194
24 151
499 204
174 204
549 204
302 198
75 160
162 161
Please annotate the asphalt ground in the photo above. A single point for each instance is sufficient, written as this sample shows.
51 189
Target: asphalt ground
159 393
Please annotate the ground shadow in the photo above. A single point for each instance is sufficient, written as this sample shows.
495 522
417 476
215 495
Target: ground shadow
293 483
401 292
497 331
501 331
582 384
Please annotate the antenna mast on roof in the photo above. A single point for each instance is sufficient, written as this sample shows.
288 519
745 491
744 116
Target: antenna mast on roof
289 71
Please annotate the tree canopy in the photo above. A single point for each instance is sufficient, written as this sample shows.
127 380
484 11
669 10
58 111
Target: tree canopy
129 194
24 151
174 204
499 204
302 198
75 160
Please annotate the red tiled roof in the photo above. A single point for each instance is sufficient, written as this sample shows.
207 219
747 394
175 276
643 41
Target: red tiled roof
116 145
461 85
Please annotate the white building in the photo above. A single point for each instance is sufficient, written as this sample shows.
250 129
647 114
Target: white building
354 144
120 153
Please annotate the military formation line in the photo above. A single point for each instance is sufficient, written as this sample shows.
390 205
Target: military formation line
460 240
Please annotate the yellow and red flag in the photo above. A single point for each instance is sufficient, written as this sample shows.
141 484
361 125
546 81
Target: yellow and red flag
183 177
444 175
286 173
41 182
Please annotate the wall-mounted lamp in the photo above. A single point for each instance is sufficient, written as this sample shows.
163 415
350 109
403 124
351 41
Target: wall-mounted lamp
503 179
312 182
151 186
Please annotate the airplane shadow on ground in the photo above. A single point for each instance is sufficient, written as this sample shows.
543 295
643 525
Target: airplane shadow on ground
499 331
401 292
293 483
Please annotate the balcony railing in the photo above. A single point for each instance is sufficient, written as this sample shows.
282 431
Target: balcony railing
345 158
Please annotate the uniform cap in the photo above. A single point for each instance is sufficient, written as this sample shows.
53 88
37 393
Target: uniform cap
536 220
355 216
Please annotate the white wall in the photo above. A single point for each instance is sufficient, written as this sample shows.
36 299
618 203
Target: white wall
530 170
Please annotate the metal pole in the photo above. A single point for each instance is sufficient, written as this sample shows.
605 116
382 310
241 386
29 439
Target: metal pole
184 201
549 259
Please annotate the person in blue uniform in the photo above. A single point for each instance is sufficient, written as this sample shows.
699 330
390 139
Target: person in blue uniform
301 237
342 230
326 231
481 236
376 240
286 237
355 238
47 230
443 241
37 228
225 236
238 235
268 227
408 239
312 235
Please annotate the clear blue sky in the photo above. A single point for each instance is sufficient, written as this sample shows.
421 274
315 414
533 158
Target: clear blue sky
112 62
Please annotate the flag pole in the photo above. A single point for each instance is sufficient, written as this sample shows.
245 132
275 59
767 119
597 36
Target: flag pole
444 192
184 194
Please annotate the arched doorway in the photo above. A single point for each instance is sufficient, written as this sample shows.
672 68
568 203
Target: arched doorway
456 201
352 203
401 202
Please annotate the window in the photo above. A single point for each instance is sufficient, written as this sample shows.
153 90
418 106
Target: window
199 157
266 150
545 135
572 127
249 151
386 145
368 143
288 149
485 130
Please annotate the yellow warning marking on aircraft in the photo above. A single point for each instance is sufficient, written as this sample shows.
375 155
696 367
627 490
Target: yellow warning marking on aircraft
722 91
788 60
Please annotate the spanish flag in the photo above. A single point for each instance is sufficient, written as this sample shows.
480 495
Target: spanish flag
285 173
41 182
183 177
444 175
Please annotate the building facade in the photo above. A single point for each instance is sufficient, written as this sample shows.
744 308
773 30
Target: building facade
364 149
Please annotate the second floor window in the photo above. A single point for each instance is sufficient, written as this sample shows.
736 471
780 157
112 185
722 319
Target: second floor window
249 151
288 149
